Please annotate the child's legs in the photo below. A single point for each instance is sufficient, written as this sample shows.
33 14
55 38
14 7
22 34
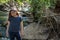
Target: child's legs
11 35
18 36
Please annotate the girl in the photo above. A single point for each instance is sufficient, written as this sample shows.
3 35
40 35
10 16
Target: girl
15 26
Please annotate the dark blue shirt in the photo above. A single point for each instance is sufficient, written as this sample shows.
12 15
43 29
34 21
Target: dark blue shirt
14 24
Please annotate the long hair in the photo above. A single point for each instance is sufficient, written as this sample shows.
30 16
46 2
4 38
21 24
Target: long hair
9 16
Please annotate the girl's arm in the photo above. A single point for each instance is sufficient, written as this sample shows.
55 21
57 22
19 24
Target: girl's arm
22 28
8 23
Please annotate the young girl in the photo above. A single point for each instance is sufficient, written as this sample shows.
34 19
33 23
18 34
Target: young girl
15 26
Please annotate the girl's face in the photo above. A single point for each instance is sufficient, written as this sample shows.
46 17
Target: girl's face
13 13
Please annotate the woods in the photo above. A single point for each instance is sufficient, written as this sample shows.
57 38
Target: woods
44 14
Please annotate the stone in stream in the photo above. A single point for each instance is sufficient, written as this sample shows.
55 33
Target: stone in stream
32 31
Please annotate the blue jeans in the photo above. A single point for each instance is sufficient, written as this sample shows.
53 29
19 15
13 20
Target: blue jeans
14 35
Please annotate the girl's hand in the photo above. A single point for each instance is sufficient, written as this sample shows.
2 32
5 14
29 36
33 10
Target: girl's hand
21 34
7 34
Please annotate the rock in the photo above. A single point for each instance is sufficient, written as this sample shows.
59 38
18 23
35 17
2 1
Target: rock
33 31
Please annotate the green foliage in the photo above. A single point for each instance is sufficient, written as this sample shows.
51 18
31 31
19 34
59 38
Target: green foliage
38 6
29 1
19 2
53 3
3 1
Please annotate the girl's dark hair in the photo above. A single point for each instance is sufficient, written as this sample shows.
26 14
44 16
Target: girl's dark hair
11 15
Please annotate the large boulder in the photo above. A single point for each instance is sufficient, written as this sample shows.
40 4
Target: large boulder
33 31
